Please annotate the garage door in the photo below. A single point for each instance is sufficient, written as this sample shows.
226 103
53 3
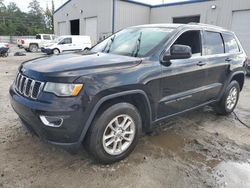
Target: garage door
241 26
91 29
62 28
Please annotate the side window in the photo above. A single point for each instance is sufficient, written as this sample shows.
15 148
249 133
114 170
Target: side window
192 39
38 36
231 45
66 41
213 43
46 37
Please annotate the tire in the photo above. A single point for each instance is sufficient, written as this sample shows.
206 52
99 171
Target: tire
223 107
98 146
33 48
56 51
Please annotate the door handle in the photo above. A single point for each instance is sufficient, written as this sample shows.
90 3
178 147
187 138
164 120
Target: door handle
228 59
201 63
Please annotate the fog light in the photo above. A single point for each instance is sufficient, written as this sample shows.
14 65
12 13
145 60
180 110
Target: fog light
51 121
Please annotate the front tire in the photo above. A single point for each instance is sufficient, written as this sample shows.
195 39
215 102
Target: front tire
114 133
56 51
229 100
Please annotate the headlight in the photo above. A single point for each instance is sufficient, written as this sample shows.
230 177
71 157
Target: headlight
61 89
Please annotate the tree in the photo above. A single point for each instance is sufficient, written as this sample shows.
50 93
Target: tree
2 6
35 8
48 19
15 22
12 7
38 24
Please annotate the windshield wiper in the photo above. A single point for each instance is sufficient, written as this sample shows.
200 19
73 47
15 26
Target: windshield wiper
109 44
138 45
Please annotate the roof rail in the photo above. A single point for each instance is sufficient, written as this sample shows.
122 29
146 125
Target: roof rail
208 25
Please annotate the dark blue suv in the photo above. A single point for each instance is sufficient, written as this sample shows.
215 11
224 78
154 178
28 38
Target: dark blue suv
106 96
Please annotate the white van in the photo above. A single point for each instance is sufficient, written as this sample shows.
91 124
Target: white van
67 43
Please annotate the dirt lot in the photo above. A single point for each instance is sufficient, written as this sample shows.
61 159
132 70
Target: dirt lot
198 149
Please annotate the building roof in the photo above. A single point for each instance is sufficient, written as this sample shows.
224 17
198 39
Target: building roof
148 5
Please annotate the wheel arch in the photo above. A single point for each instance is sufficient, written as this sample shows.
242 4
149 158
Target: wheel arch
138 98
34 44
239 77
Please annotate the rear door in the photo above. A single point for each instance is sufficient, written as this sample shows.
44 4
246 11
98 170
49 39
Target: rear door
217 64
182 82
45 40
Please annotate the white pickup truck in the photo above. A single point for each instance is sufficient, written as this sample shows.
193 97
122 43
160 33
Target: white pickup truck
32 45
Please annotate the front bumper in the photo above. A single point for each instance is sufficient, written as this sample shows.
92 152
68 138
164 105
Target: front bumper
47 50
70 109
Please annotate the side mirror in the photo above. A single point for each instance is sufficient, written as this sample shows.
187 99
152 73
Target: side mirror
177 52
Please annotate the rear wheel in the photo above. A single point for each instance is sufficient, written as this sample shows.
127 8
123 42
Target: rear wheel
114 133
33 48
229 100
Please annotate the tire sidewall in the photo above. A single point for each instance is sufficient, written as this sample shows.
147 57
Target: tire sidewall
224 101
33 48
100 125
57 51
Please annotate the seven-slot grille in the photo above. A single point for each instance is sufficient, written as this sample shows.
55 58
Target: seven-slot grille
28 87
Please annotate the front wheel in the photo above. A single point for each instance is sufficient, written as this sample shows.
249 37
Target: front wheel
56 51
229 100
114 133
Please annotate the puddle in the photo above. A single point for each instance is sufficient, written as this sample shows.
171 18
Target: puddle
168 141
232 174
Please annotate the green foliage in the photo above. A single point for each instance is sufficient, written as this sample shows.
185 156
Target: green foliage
15 22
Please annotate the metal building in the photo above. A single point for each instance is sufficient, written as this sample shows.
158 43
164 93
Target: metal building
100 18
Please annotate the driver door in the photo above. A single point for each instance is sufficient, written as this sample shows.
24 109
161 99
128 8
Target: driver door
182 81
66 44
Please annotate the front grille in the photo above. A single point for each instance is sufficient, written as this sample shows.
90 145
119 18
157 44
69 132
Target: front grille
28 87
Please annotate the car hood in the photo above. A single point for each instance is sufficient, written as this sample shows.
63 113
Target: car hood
68 67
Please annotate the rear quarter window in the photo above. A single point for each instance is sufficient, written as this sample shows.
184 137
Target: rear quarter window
231 45
46 37
213 43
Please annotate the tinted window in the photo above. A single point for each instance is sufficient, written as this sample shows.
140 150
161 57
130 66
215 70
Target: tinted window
46 37
66 41
192 39
231 45
38 36
214 43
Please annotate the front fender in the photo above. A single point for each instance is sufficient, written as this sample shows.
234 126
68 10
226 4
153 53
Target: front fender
106 98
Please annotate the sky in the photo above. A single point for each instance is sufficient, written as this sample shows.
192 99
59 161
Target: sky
23 4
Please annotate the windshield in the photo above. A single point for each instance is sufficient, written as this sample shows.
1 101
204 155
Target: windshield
133 41
57 39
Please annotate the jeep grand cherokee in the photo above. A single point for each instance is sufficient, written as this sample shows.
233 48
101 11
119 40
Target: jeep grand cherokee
106 96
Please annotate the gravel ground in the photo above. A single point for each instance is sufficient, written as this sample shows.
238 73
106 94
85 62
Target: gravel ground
197 149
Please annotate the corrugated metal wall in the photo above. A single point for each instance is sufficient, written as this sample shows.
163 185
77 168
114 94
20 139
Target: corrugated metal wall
129 14
221 16
102 9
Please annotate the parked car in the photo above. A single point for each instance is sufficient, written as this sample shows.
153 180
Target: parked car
248 67
32 45
67 43
4 49
128 83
